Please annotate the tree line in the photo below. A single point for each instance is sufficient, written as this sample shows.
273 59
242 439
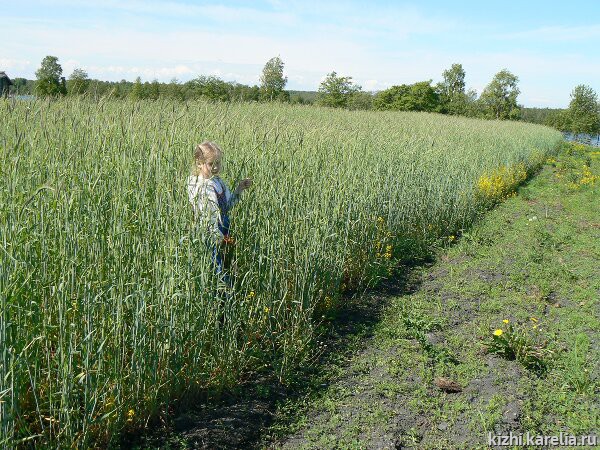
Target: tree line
497 101
50 82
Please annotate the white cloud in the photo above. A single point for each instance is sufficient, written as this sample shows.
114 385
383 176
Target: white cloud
7 64
372 85
147 73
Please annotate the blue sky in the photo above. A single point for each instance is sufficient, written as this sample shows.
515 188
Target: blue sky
551 46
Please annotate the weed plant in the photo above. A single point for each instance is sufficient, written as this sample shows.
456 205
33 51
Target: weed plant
517 343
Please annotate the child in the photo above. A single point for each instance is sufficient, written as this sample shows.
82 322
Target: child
211 200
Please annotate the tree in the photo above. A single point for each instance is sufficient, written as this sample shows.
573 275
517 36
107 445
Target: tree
419 96
454 81
211 87
336 91
360 100
499 98
272 80
78 82
559 119
584 111
5 84
173 90
241 92
137 91
22 86
154 90
453 98
49 78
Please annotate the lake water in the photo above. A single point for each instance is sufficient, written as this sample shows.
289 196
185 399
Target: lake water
587 139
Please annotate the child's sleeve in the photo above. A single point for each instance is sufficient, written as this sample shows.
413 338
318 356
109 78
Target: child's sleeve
207 207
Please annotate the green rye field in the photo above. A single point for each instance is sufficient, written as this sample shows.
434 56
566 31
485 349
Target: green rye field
110 311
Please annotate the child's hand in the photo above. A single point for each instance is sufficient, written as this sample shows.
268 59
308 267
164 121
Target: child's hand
244 184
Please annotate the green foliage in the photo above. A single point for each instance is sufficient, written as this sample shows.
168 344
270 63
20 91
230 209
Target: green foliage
360 100
137 91
211 87
23 86
519 344
173 90
584 111
154 90
542 116
272 81
5 84
303 97
335 91
242 92
414 97
49 82
559 119
453 99
499 98
78 82
454 81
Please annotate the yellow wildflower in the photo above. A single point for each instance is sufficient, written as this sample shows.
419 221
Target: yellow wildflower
506 321
498 332
130 415
267 310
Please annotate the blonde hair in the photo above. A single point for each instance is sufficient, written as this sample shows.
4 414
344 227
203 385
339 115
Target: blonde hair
202 153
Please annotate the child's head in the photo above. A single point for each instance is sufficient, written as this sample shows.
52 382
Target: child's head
208 159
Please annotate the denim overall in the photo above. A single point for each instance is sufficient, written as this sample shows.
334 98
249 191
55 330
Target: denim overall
217 254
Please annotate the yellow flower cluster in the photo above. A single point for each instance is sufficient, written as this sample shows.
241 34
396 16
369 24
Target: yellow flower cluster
587 177
383 234
326 303
387 254
501 183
